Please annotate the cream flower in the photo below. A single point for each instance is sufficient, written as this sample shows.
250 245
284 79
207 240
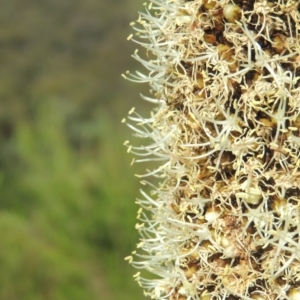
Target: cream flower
224 221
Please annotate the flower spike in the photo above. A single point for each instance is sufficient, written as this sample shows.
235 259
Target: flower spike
224 221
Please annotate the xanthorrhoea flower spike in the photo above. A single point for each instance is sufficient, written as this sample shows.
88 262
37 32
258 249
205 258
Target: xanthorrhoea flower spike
224 222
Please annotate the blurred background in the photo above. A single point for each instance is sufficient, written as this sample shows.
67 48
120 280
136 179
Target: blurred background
67 189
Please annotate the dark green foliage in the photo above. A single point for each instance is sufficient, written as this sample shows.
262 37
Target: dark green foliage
67 192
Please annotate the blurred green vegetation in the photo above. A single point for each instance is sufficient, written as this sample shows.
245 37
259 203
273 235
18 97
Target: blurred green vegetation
67 190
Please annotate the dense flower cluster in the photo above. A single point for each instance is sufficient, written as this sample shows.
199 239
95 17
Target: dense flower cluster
224 222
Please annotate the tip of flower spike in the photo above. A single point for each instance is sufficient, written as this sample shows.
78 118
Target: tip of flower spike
131 111
124 76
132 162
140 245
129 258
139 226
